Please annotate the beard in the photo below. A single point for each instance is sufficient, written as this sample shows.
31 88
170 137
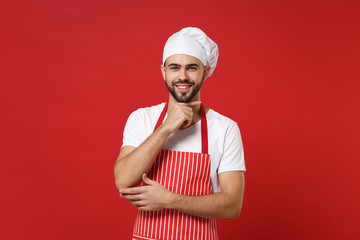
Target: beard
184 97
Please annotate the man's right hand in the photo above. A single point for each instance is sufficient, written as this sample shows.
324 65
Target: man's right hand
180 115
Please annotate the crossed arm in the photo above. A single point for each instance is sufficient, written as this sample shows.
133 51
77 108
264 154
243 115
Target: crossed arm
225 204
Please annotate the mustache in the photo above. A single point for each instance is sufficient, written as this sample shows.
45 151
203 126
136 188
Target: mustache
183 82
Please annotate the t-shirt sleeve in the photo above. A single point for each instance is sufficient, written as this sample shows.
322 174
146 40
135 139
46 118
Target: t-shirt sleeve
233 154
133 131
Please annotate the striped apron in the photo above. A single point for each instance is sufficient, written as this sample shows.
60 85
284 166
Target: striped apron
186 173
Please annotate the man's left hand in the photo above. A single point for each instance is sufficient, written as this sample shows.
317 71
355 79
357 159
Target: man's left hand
151 197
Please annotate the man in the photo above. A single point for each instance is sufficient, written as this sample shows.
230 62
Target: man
188 158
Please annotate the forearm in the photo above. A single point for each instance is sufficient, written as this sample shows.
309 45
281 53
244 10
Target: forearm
132 163
128 169
217 205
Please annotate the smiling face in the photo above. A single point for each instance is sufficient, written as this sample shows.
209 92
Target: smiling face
183 75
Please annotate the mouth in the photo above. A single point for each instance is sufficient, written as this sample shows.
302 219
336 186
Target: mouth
183 87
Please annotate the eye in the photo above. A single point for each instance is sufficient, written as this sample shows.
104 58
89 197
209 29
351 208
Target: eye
174 68
192 68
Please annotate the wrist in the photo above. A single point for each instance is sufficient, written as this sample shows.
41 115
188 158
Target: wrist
170 200
164 130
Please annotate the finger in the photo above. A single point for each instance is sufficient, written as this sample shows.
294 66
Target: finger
194 103
146 179
148 207
188 117
188 111
144 208
137 203
129 197
135 190
187 122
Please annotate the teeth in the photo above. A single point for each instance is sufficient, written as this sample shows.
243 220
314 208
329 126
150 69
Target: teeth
183 87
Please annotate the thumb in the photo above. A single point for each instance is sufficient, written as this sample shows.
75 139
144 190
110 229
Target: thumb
146 179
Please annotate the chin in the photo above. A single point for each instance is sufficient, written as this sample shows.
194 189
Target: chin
184 99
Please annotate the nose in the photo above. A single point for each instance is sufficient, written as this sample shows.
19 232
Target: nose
183 74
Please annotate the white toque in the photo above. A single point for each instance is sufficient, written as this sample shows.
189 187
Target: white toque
194 42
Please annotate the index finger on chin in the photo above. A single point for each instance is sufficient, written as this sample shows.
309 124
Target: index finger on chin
194 103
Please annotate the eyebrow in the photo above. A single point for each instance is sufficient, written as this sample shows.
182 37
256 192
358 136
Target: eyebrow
187 65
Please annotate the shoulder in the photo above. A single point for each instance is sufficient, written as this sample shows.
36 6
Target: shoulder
147 112
218 120
221 127
140 124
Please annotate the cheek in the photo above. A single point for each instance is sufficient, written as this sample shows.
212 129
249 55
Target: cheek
197 77
170 76
168 80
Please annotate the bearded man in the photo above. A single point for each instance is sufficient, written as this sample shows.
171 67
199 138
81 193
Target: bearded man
181 163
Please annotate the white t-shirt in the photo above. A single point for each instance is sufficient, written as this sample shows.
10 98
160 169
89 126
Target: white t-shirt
224 139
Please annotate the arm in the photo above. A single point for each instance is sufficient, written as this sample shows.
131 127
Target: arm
133 162
225 204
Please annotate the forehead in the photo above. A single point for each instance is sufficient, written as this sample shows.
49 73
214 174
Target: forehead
183 59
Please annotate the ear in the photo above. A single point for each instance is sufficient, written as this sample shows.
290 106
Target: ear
206 72
162 68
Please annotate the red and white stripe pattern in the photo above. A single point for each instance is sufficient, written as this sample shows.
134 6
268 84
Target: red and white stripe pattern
183 173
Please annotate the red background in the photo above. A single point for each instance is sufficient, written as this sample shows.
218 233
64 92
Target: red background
72 71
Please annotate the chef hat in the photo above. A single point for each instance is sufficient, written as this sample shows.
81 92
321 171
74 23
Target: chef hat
194 42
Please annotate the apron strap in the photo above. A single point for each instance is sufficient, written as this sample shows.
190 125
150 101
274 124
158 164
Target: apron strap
204 133
161 118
